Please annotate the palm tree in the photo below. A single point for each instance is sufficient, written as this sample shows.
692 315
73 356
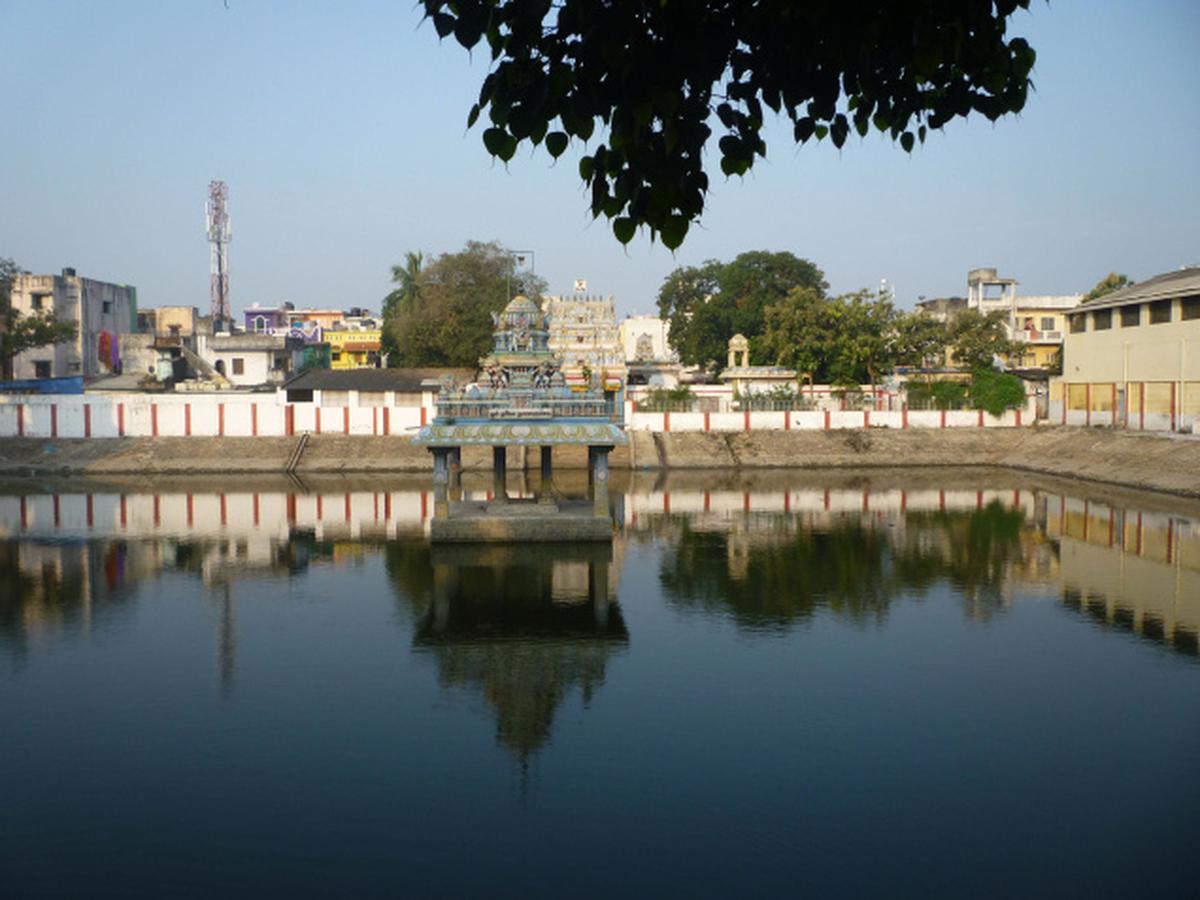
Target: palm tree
408 277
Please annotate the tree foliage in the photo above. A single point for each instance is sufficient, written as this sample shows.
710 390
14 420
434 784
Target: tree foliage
407 278
659 77
995 391
709 304
845 340
458 292
18 332
1113 281
977 339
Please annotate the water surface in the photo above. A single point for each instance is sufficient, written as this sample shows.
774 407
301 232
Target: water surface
839 685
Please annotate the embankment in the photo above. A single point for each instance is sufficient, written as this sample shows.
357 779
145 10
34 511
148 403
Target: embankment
1148 461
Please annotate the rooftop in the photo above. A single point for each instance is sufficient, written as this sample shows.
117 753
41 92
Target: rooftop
1180 283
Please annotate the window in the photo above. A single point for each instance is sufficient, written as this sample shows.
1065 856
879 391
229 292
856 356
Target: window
1131 315
37 301
300 396
106 307
1078 323
1160 312
1047 323
174 330
260 324
1102 319
41 368
1191 307
239 366
335 356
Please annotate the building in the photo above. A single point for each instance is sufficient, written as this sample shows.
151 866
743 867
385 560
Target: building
251 360
585 339
649 358
101 312
645 339
1132 358
1036 323
169 321
354 348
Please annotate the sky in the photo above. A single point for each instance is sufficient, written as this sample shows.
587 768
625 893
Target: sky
341 131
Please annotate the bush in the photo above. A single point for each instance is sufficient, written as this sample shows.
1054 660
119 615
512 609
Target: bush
996 392
936 395
779 397
677 399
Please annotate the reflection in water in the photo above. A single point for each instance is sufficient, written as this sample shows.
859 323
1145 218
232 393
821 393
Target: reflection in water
767 557
774 571
273 695
524 627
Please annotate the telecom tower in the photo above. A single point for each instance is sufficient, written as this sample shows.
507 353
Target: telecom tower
219 235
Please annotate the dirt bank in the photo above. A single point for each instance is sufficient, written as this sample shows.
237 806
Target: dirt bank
1155 462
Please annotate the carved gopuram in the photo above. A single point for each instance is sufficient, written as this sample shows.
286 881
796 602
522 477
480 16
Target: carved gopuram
521 399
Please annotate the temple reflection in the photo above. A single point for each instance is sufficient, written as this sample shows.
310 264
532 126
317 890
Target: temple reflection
524 627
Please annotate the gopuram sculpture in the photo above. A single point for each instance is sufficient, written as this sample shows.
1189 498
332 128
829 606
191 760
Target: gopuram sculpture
521 399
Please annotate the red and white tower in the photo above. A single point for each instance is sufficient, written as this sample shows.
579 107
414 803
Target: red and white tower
219 235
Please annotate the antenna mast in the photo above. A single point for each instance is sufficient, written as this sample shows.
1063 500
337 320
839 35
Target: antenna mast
219 235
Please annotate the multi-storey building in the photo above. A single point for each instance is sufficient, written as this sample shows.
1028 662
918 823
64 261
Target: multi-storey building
1035 323
100 311
585 338
354 348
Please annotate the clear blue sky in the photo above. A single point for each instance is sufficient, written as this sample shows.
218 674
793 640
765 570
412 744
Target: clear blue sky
340 128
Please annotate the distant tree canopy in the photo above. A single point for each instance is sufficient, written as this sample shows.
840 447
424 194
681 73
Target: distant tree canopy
857 338
709 304
654 76
1113 281
441 313
18 332
833 340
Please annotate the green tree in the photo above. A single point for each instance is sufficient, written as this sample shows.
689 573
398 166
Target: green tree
976 338
407 279
658 77
19 332
709 304
842 340
452 324
996 391
1113 281
919 338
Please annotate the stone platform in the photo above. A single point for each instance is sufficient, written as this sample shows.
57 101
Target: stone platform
521 521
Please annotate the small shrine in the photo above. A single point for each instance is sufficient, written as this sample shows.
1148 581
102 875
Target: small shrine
745 378
521 399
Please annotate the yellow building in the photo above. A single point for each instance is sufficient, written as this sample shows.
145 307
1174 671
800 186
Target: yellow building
353 349
1036 323
1132 358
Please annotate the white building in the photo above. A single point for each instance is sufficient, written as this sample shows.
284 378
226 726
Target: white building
249 360
97 308
645 339
584 335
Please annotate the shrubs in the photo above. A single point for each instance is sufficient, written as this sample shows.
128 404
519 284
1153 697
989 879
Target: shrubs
677 399
936 395
996 392
989 390
779 397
